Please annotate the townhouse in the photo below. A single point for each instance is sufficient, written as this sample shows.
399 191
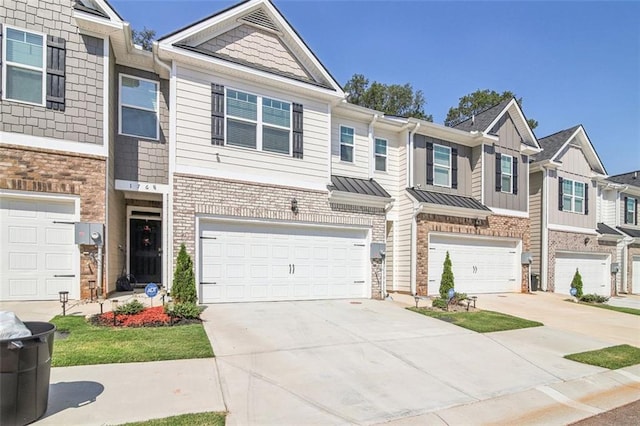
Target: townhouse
232 138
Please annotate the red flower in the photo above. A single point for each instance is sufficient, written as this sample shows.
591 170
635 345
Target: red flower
148 317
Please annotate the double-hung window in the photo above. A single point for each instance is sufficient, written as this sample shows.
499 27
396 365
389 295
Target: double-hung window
573 195
441 165
24 66
630 211
138 107
381 154
347 135
266 128
506 175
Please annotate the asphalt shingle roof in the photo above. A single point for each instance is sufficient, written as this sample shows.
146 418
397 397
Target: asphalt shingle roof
606 230
551 144
357 186
631 178
483 119
635 233
446 199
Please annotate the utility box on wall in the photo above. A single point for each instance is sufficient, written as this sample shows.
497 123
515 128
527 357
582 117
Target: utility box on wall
85 230
526 258
378 250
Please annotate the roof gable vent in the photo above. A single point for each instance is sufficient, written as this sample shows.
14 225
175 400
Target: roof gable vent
259 18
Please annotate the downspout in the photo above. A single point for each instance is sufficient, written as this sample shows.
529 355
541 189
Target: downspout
372 155
410 156
544 253
414 242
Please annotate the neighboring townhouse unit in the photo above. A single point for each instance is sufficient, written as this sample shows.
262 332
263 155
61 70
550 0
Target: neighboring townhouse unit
54 141
465 193
620 210
565 233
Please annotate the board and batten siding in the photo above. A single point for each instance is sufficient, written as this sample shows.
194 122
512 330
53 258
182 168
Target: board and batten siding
359 168
193 133
420 166
535 215
476 172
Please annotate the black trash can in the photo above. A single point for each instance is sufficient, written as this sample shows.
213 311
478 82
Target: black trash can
535 282
25 368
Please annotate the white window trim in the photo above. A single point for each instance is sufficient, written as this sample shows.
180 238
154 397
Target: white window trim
353 145
385 156
510 174
28 67
260 124
631 210
574 196
448 148
120 105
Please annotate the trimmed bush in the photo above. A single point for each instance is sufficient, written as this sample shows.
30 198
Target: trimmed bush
446 280
130 308
184 282
577 283
593 298
439 303
183 310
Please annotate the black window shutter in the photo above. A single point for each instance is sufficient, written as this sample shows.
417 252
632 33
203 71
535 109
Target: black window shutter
498 172
429 163
635 213
586 198
297 131
56 80
560 194
217 114
454 168
515 175
0 61
626 208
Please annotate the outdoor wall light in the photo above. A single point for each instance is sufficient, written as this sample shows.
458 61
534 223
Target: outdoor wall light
64 298
586 240
294 205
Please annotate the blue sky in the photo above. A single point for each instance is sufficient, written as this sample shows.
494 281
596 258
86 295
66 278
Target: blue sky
571 62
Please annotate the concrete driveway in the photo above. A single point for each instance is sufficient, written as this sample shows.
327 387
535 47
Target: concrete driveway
370 362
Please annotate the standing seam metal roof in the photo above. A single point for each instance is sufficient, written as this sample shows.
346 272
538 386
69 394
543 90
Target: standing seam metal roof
357 186
446 199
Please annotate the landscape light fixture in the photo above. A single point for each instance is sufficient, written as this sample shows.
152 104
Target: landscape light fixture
114 307
64 298
92 289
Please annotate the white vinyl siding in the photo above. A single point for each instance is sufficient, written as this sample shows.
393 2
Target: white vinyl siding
506 168
194 149
572 196
441 165
24 65
138 112
347 143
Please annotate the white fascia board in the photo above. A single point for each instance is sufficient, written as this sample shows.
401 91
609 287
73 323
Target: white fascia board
507 212
520 114
341 197
450 134
172 53
609 237
28 141
441 210
573 229
347 110
109 26
529 150
585 145
106 8
567 142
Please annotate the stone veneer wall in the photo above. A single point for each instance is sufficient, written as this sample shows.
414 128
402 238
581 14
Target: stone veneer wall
34 170
570 241
196 195
632 250
493 226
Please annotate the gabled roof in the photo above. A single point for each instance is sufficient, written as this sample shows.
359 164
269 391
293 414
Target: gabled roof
485 121
631 178
554 145
100 8
357 186
450 200
234 35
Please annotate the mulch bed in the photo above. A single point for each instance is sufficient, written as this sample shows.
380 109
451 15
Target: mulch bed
149 317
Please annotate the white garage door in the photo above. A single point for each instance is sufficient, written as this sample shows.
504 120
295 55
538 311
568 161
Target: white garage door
594 270
38 256
480 265
267 262
635 274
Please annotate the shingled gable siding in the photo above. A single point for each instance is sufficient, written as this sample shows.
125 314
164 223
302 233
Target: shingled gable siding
81 119
196 195
140 159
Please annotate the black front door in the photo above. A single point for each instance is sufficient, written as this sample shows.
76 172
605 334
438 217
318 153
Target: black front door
145 250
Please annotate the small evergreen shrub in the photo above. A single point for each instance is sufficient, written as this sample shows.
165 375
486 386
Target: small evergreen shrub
184 282
459 297
594 298
183 310
446 280
130 308
577 283
439 303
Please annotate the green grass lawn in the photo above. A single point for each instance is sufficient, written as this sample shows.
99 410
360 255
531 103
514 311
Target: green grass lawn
87 344
198 419
631 311
612 358
481 321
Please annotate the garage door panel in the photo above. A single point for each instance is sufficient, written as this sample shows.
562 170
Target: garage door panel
594 269
58 236
635 274
58 261
23 235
